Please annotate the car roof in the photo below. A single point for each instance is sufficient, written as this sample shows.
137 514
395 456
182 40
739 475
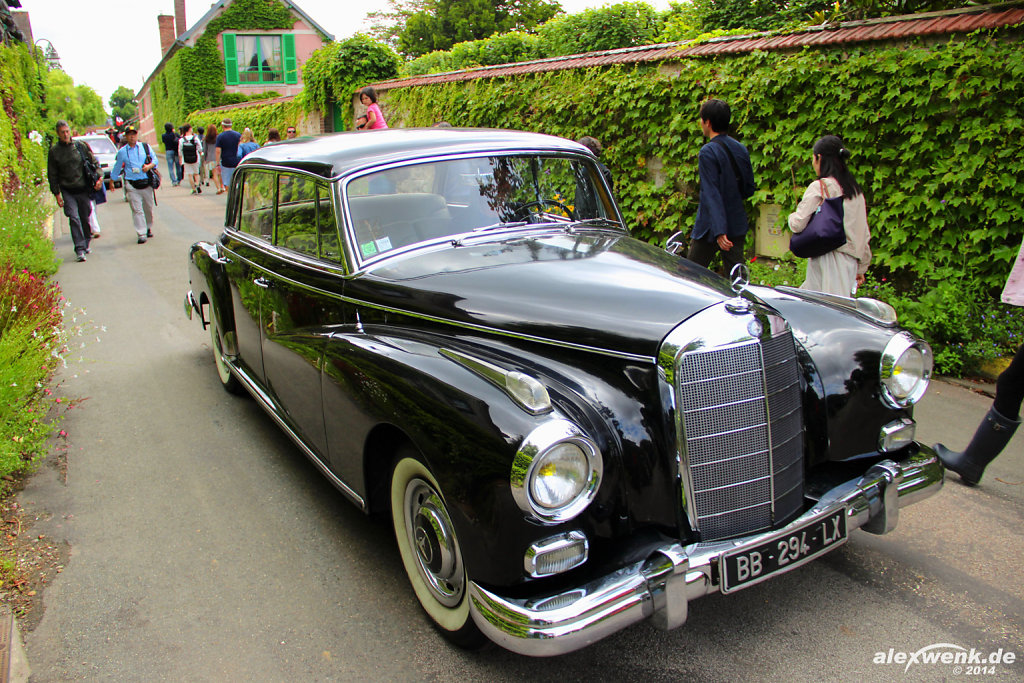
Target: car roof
337 154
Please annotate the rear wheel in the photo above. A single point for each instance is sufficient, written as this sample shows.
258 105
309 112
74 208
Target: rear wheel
227 380
430 550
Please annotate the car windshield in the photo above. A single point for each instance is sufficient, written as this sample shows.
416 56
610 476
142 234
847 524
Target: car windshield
101 145
401 206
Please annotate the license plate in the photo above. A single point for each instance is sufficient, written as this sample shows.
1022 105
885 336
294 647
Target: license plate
747 566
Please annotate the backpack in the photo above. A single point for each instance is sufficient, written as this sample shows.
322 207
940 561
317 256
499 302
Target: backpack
190 150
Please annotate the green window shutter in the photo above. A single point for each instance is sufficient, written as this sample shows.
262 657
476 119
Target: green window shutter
291 66
230 59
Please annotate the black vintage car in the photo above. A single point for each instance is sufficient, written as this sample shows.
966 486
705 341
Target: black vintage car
571 429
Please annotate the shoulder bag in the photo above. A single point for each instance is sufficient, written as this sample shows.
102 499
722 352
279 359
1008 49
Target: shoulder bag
824 232
153 173
92 174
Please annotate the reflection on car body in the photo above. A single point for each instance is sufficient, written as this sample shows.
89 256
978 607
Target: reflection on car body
571 430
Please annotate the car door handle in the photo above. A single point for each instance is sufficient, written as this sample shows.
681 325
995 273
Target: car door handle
261 282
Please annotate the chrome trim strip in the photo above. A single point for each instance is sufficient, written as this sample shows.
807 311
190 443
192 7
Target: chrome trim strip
271 408
497 376
661 586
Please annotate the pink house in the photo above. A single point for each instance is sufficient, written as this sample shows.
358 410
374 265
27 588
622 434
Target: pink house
255 61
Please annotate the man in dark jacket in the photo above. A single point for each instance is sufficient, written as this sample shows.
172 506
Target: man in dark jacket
726 179
65 169
170 139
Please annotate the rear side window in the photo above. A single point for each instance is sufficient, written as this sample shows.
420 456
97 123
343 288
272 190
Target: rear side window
256 214
296 214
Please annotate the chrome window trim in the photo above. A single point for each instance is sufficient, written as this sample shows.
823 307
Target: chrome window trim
541 440
359 265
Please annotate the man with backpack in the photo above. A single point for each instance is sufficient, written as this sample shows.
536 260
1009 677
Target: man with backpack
140 174
189 151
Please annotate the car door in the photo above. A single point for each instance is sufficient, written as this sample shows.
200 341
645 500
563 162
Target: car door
246 244
301 303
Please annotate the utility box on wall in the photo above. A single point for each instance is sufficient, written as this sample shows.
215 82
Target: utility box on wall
772 239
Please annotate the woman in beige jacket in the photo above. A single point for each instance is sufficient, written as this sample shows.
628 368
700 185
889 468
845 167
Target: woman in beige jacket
841 270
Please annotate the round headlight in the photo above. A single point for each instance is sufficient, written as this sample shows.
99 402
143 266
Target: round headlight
556 472
906 370
559 475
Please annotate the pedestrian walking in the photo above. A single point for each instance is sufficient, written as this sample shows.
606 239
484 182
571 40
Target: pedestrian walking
291 133
190 151
726 179
1003 418
138 164
170 140
247 144
210 156
841 270
374 117
73 174
98 197
227 154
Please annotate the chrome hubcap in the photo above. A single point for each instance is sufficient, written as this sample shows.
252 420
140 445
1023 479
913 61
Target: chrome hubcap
431 536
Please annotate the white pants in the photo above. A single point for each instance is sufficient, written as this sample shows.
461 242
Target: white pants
834 273
142 203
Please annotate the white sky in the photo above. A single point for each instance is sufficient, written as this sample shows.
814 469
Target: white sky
108 43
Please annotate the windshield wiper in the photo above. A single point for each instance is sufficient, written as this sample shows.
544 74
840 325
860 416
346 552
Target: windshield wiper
599 221
501 226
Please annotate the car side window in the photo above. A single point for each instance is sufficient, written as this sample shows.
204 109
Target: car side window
296 213
330 245
256 216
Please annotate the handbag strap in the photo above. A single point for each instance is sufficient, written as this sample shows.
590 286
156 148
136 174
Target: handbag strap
824 190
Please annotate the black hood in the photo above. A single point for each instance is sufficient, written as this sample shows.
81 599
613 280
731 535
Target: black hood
598 289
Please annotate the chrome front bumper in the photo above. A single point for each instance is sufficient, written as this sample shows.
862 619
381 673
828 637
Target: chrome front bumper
662 586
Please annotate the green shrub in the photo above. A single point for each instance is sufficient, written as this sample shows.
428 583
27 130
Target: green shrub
23 243
32 344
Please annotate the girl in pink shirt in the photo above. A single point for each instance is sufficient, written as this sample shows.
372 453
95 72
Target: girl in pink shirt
374 119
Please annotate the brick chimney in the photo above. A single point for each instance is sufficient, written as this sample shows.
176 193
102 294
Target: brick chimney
166 23
179 18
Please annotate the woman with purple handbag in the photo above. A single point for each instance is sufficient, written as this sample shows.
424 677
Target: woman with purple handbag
833 235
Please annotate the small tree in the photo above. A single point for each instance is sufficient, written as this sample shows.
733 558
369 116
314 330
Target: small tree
337 70
122 102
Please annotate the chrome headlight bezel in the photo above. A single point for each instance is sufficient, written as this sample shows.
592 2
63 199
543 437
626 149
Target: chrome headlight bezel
530 458
892 365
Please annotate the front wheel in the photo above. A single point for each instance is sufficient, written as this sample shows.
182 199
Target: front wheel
430 550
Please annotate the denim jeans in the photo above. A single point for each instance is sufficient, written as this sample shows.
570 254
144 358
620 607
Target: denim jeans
172 166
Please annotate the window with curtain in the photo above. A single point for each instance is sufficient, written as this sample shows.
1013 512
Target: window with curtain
256 60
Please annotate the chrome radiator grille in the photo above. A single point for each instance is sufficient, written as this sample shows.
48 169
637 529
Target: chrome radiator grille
743 426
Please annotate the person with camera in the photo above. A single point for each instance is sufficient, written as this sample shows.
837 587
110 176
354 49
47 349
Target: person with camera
140 173
73 173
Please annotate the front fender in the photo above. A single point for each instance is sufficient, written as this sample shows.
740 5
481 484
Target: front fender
209 286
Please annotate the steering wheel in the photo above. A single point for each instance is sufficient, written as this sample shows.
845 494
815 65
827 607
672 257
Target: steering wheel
524 210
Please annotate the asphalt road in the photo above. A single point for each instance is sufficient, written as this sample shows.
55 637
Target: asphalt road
204 547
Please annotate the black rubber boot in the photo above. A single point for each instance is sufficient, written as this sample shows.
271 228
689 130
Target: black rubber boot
993 434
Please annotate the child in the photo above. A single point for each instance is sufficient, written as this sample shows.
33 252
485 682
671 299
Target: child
374 119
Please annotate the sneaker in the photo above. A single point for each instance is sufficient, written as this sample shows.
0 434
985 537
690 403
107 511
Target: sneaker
142 240
80 258
199 190
194 191
96 235
149 233
88 250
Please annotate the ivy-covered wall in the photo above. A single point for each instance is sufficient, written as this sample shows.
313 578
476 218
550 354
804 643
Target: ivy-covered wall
936 130
22 110
194 77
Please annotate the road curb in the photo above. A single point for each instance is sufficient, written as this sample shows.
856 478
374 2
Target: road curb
13 659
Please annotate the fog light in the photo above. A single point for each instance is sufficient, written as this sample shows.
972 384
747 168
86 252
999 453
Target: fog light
556 554
896 435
